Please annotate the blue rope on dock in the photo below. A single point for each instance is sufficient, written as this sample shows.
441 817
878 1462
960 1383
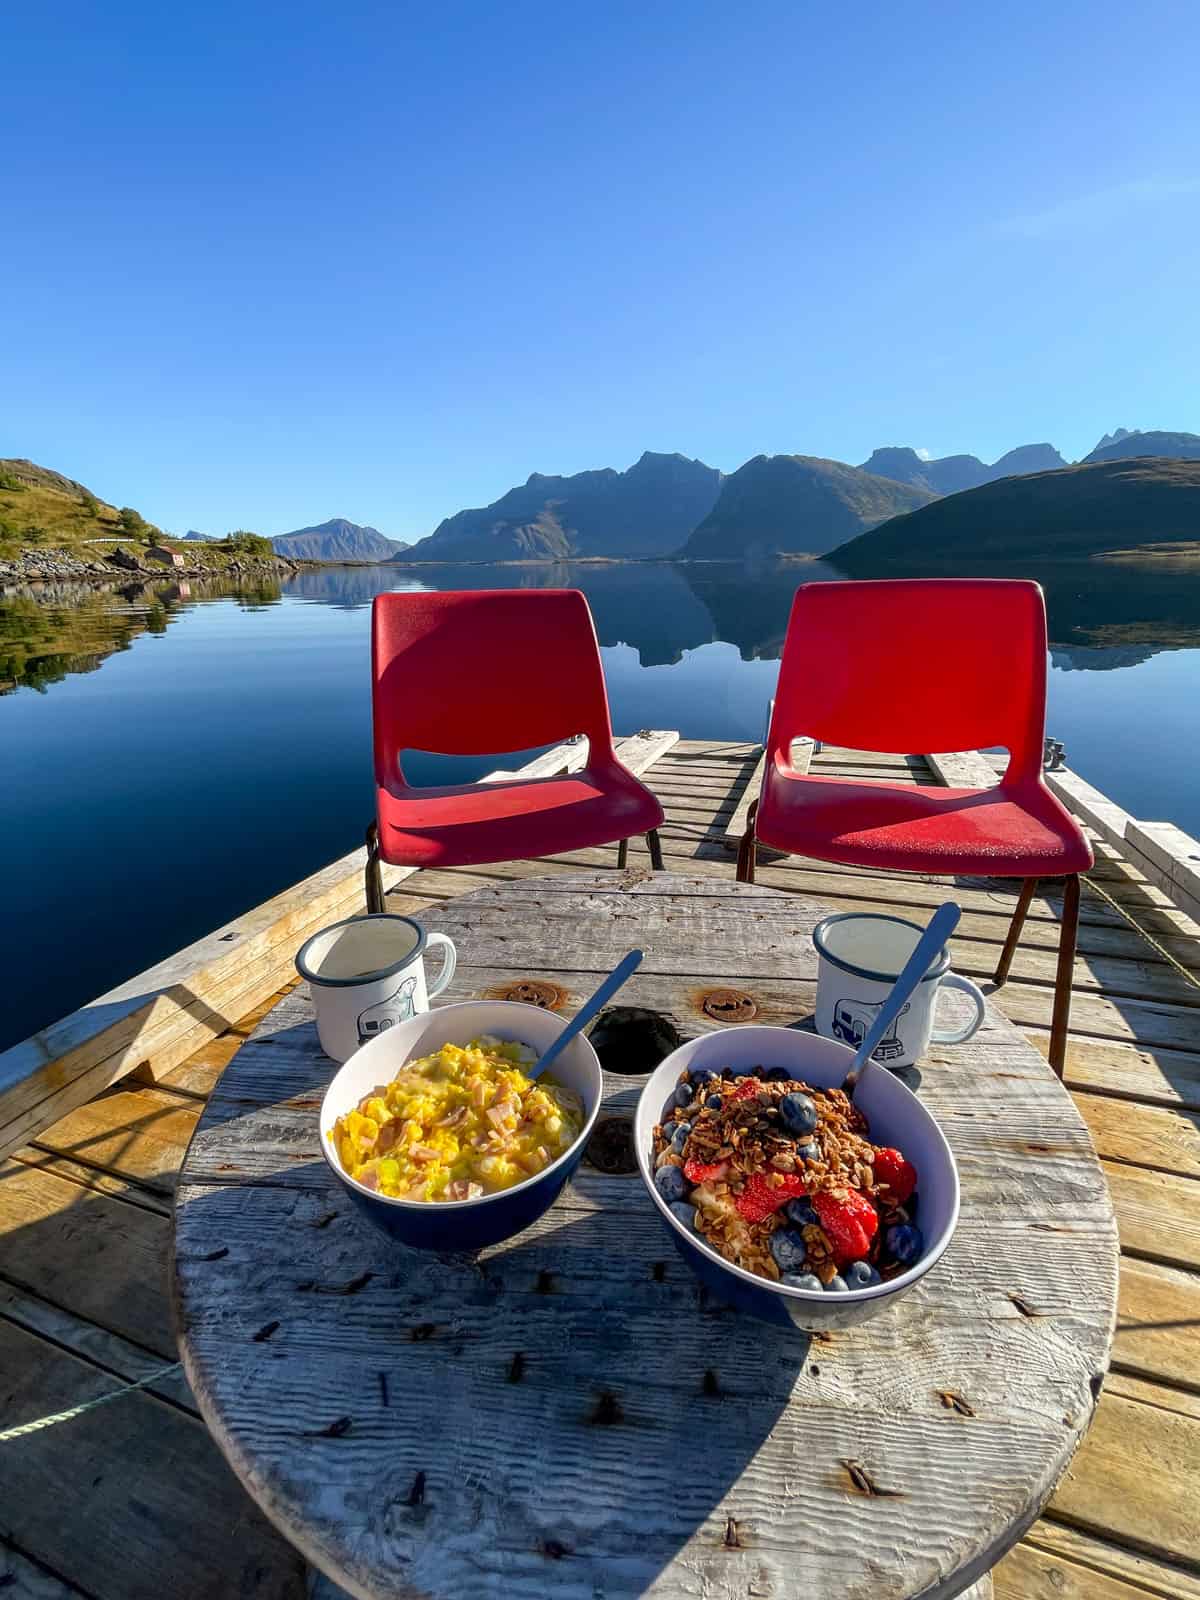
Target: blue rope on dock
88 1405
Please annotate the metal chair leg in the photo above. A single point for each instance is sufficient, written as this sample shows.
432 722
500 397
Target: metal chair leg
748 849
373 874
1060 1022
1014 931
623 853
655 845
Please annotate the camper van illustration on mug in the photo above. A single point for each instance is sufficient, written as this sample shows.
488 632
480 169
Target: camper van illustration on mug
387 1013
852 1020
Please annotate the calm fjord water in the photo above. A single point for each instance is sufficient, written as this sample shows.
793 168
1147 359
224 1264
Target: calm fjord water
192 753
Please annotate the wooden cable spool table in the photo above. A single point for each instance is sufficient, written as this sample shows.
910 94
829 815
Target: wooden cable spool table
569 1414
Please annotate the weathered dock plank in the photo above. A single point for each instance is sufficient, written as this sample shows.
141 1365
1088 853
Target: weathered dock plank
164 1514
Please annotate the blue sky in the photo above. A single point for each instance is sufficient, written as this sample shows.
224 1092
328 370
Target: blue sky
264 264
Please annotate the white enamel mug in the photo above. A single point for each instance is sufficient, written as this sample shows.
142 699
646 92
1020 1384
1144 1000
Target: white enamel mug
861 956
367 974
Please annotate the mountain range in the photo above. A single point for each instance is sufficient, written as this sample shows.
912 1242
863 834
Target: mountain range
951 474
670 505
648 510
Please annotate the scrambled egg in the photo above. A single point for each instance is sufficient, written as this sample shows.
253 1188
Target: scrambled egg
458 1124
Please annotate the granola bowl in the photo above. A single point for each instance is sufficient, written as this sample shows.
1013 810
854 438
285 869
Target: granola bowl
896 1119
462 1224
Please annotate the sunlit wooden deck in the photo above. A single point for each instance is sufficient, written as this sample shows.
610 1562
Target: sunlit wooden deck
133 1500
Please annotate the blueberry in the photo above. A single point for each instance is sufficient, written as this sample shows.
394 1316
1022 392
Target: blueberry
680 1137
860 1275
670 1183
904 1243
701 1075
798 1113
714 1102
810 1151
800 1213
836 1285
803 1280
669 1130
684 1095
668 1110
684 1213
788 1249
777 1075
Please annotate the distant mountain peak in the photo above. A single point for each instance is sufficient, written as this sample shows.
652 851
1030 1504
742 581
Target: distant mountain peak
1115 437
338 539
797 504
1175 446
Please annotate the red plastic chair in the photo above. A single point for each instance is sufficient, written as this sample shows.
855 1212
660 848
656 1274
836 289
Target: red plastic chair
479 671
918 665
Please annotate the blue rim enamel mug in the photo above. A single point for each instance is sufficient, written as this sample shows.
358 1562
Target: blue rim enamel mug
861 956
367 974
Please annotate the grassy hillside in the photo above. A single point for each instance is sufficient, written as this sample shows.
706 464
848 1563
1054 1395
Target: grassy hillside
39 507
41 510
1070 515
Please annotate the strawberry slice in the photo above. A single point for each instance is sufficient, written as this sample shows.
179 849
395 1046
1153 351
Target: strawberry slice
704 1171
899 1175
761 1197
850 1222
746 1090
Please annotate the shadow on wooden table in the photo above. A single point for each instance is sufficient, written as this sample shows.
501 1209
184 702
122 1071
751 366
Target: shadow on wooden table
452 1422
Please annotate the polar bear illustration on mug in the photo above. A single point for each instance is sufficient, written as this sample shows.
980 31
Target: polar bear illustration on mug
387 1013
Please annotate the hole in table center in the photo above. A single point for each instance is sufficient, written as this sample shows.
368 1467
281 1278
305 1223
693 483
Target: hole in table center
631 1040
610 1149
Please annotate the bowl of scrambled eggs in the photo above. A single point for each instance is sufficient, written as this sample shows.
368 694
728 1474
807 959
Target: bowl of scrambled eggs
437 1132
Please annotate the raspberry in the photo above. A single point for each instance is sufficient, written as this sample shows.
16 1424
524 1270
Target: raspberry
704 1171
849 1220
746 1090
761 1197
899 1175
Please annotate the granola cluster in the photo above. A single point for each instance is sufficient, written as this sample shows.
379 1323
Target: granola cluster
782 1179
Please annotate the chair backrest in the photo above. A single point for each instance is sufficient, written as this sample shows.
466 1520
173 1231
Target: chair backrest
477 672
916 664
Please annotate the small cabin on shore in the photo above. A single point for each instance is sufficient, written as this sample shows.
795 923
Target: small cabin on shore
168 557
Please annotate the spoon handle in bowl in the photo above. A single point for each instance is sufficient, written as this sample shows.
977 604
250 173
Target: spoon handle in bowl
624 969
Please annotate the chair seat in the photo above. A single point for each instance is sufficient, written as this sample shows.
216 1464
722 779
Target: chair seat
1000 832
468 824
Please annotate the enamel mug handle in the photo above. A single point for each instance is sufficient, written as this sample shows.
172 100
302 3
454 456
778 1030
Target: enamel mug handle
960 1035
449 961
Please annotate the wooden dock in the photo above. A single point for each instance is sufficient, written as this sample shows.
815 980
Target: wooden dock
133 1500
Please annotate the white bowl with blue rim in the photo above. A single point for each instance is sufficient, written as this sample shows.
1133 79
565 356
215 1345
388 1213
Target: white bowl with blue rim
462 1224
896 1117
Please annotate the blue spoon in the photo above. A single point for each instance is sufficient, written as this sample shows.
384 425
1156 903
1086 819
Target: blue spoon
941 925
623 970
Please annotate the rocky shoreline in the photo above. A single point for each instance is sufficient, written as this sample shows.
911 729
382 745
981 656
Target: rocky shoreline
57 566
